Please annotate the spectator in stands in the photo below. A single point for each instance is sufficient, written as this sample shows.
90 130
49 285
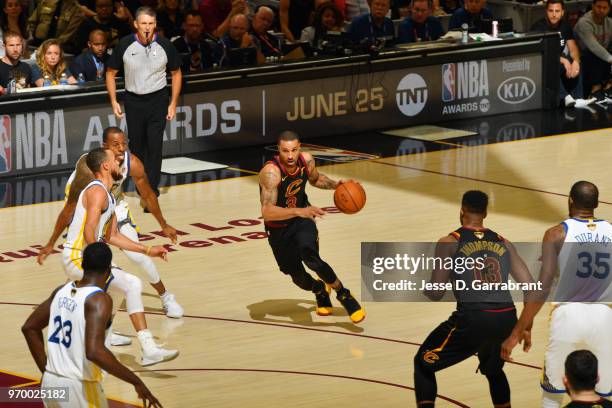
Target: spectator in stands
370 26
134 5
92 63
355 8
327 18
10 65
340 4
594 30
170 18
216 14
420 25
104 20
58 19
570 89
236 37
262 21
295 15
50 63
444 7
581 375
195 52
12 18
472 13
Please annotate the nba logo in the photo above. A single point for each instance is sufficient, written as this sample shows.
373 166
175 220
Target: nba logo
448 82
5 144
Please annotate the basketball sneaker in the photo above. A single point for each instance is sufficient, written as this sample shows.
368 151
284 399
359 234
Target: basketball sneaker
171 306
353 308
117 339
151 352
324 305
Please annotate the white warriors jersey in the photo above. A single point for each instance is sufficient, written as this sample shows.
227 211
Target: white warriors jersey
75 240
66 335
585 262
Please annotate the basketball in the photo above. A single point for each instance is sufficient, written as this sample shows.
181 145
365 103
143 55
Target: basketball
349 197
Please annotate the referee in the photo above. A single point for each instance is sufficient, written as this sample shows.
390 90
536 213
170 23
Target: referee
145 57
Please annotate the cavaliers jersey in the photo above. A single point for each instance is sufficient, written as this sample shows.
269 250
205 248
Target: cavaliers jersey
66 355
292 187
75 241
585 262
491 248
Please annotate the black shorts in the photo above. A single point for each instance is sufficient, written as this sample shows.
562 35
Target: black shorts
289 242
467 333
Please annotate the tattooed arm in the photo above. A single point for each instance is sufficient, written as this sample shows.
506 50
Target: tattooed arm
269 177
316 178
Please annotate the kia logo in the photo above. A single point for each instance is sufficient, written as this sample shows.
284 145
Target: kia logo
516 90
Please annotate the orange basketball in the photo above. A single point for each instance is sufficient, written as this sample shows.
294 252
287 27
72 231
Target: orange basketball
349 197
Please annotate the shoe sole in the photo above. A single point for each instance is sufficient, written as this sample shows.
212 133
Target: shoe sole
121 344
150 363
324 311
174 316
360 316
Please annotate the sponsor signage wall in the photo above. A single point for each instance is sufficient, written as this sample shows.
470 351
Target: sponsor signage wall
54 139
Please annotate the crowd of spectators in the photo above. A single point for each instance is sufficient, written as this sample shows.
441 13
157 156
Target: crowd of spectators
69 41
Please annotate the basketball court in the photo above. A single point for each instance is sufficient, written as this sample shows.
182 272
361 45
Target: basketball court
250 338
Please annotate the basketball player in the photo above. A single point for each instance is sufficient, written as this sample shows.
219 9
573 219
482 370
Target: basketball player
289 221
77 314
114 139
580 379
94 219
579 248
483 319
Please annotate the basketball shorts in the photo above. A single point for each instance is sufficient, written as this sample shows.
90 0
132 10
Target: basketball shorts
467 333
80 393
576 326
286 243
121 283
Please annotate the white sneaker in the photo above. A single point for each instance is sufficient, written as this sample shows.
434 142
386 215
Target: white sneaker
171 306
569 101
582 103
119 340
155 354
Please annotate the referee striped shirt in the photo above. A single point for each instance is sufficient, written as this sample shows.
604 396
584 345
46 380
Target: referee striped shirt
144 65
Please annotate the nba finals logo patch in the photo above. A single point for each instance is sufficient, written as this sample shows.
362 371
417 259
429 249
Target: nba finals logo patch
5 144
479 235
592 227
449 75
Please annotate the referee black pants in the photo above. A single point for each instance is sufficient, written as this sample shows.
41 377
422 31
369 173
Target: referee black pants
146 122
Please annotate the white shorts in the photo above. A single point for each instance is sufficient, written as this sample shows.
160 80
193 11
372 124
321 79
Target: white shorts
577 326
122 284
80 393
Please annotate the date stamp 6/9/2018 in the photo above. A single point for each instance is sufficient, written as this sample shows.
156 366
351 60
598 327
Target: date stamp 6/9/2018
33 394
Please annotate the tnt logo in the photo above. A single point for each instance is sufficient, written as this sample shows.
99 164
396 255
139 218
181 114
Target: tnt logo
5 144
449 78
411 95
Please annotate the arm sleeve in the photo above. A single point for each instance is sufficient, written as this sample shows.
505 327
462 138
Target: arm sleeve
404 33
116 60
36 74
174 59
585 32
455 20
